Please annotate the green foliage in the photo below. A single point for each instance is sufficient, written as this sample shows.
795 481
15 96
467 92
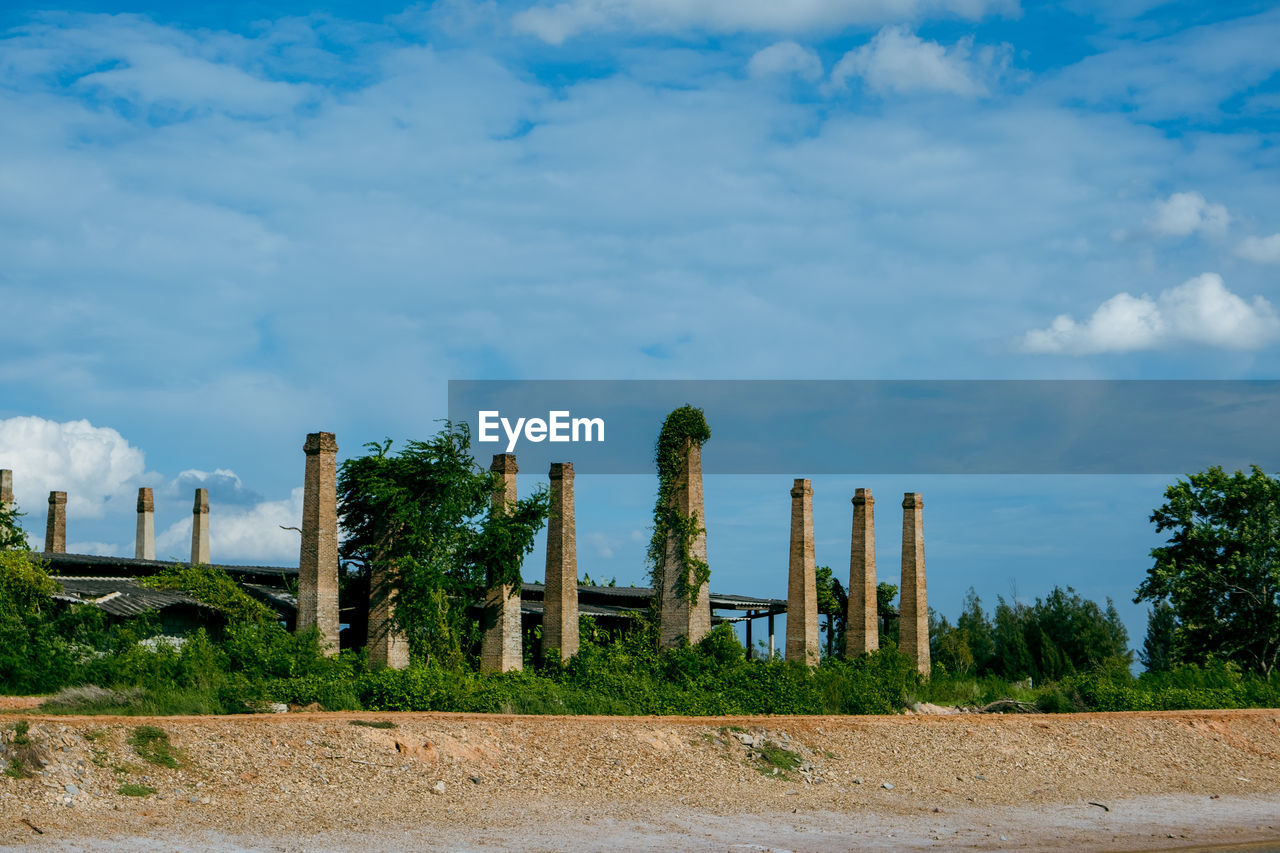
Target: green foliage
1157 653
33 654
213 587
151 743
684 427
132 789
777 760
1220 568
422 521
833 602
20 733
11 536
374 724
885 595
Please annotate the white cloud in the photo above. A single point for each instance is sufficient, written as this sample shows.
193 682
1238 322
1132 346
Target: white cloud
1260 250
93 465
786 57
1183 214
899 61
242 534
561 21
1200 311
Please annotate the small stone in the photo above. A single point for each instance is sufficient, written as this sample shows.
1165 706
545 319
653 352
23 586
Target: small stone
438 788
888 786
72 790
857 780
979 777
475 780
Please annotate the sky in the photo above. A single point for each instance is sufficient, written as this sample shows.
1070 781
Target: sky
225 226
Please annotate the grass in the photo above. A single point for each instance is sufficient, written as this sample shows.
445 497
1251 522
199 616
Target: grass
152 744
374 724
20 736
130 789
16 769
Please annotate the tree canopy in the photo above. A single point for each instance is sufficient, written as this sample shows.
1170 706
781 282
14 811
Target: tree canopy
1219 570
424 517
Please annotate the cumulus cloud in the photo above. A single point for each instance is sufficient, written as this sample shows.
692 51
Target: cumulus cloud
1183 214
1260 250
93 465
786 57
555 23
238 534
899 61
1200 311
223 484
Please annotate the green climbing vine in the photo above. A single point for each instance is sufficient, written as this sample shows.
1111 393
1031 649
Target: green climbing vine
685 424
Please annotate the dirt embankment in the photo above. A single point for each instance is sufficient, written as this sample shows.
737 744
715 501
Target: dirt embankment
320 781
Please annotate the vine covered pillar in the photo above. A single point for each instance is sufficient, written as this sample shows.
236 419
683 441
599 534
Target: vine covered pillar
686 603
502 648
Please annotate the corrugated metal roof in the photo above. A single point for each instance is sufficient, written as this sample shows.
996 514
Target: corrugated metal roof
122 596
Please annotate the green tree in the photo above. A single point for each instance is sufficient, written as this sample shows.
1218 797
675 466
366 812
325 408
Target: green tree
1220 568
11 536
1157 653
973 620
886 593
423 517
833 602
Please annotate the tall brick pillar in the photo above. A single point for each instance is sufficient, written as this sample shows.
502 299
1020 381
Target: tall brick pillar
680 618
55 527
802 584
862 622
6 488
560 601
200 528
502 648
387 646
913 624
145 542
318 556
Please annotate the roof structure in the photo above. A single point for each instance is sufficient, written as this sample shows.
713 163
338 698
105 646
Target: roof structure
122 596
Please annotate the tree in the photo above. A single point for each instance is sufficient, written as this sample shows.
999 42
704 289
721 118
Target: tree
423 517
833 602
1220 568
885 594
1157 653
11 536
974 622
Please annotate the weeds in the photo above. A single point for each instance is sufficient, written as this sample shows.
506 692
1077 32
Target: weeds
152 744
374 724
130 789
16 769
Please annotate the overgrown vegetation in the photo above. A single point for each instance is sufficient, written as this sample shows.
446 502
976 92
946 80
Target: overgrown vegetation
214 588
683 428
133 789
151 743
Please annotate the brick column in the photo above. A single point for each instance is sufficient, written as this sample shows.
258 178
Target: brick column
55 528
802 584
679 618
913 624
200 528
502 648
862 623
318 556
6 488
145 542
560 601
387 646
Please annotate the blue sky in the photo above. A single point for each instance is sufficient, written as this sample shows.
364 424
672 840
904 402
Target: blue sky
227 226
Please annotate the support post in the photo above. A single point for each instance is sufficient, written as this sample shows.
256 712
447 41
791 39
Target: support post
682 618
318 555
560 601
144 547
55 526
200 528
913 625
862 622
502 648
802 586
751 652
771 649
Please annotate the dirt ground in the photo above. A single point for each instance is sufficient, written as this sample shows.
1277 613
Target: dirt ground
322 781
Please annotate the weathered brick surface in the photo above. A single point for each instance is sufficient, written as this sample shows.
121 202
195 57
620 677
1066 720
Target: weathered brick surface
55 526
6 487
318 555
560 620
862 625
802 586
200 528
913 630
679 618
145 541
502 648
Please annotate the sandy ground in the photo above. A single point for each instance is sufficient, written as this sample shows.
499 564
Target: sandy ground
315 781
